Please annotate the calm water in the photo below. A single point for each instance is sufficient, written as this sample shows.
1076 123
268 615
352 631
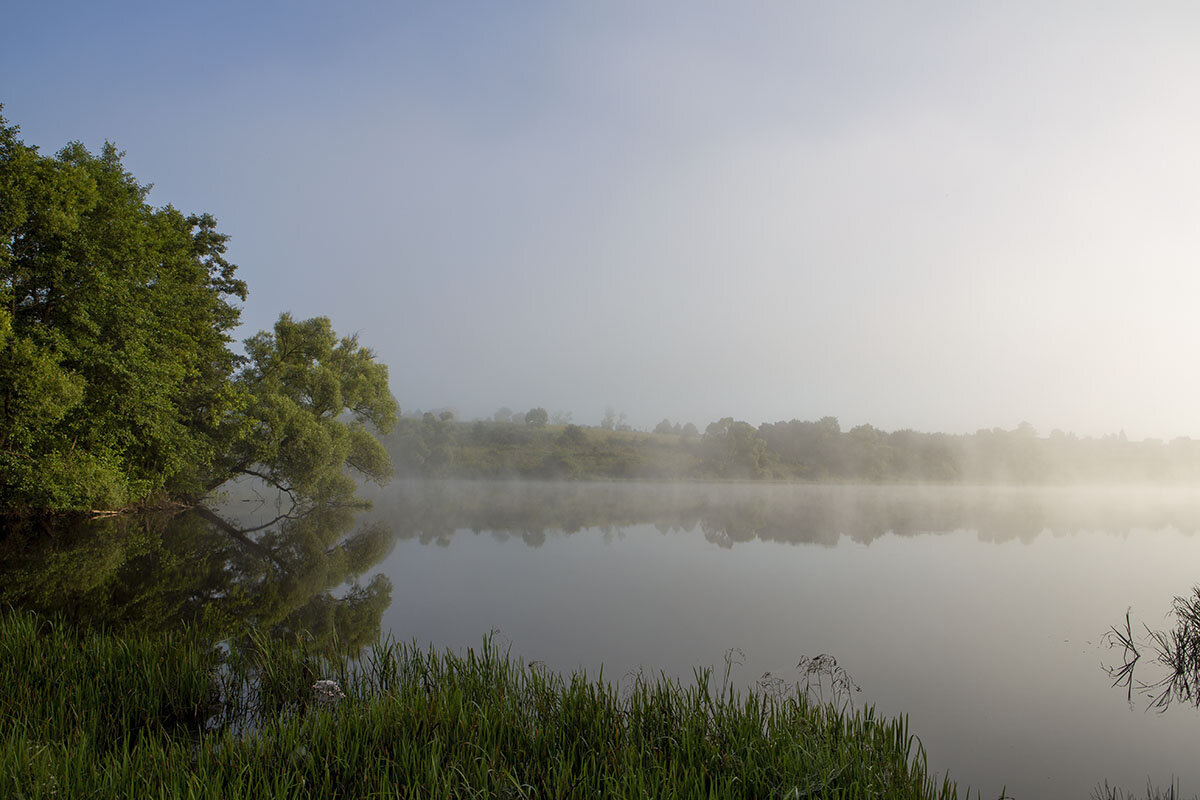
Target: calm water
977 612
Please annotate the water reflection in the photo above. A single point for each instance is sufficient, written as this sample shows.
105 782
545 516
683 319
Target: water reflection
729 514
974 610
990 647
157 571
302 573
1171 672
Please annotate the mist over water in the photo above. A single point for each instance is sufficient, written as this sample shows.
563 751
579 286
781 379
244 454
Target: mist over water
977 612
729 513
980 612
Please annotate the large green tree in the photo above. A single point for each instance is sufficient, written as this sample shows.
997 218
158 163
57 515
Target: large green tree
114 367
313 406
117 383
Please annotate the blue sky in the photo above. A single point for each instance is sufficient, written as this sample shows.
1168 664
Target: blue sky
916 215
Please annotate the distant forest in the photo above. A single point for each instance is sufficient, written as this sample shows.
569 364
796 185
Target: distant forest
439 445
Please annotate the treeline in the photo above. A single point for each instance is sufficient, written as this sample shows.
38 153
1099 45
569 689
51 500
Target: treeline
822 451
439 445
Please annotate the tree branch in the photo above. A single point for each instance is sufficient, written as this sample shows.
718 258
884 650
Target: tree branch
288 490
239 534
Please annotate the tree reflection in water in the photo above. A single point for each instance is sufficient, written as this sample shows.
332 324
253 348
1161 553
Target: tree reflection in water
159 571
731 514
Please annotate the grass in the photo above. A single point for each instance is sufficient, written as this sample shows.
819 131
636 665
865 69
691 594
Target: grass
1178 651
1177 656
1152 792
99 715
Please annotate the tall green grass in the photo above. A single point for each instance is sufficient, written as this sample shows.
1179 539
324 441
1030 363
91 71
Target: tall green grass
166 716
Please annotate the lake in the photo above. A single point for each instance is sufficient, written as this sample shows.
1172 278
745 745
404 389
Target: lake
978 612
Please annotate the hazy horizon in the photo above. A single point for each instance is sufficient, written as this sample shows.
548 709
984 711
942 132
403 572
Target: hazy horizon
946 219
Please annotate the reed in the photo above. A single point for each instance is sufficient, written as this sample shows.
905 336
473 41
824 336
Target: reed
1152 792
107 715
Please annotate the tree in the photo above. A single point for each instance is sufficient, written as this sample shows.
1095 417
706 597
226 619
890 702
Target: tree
664 427
572 436
733 449
811 449
438 433
310 398
609 421
117 383
866 454
536 417
105 297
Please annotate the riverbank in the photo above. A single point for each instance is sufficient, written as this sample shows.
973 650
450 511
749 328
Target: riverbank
441 446
133 715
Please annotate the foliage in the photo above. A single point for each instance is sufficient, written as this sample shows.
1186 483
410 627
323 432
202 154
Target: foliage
425 446
488 449
733 450
796 450
537 417
573 435
105 298
117 383
310 400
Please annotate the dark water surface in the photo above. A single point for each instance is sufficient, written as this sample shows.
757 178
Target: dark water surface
978 612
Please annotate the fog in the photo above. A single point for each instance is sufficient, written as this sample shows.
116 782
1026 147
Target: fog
940 218
733 515
978 612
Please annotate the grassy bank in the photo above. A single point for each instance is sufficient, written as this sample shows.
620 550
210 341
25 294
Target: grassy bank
100 715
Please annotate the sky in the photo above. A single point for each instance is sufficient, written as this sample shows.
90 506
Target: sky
939 216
